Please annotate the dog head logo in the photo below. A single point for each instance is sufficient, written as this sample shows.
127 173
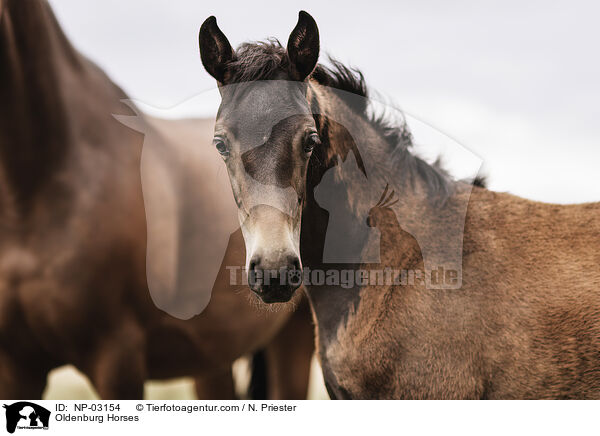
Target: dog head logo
26 415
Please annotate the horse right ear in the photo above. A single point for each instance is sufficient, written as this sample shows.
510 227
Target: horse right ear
215 49
303 47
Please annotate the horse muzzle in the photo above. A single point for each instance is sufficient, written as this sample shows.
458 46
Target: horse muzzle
275 282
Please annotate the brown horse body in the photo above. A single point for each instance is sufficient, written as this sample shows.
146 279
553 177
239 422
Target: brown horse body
73 234
524 324
521 318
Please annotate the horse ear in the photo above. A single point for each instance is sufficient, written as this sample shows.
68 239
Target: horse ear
303 47
215 49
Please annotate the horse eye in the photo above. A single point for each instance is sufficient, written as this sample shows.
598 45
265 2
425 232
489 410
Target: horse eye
221 146
311 142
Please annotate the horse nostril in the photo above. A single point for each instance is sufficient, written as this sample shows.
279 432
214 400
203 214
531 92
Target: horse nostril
294 262
253 275
294 272
254 262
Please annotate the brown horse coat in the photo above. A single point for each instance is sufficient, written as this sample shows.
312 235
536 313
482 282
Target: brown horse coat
524 324
73 272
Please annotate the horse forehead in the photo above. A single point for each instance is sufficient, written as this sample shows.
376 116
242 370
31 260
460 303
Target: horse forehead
263 103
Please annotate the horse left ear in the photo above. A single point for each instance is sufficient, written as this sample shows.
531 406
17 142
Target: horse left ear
215 50
303 47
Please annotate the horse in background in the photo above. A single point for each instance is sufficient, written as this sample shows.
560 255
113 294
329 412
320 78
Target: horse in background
74 232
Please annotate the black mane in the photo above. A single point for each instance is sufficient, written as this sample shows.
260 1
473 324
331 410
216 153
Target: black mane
260 60
268 61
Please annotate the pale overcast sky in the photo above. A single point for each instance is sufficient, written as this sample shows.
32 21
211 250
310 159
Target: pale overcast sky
517 83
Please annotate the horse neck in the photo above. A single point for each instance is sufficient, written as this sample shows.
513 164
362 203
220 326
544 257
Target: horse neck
398 247
34 131
350 139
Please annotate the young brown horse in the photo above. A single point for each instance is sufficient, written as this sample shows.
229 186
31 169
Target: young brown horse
74 231
519 316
